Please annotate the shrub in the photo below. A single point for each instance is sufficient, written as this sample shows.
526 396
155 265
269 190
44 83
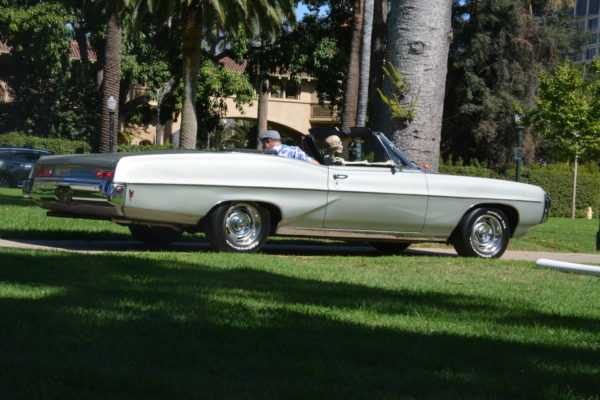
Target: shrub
132 148
56 146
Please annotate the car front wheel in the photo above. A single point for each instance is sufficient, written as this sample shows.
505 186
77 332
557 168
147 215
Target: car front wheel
238 227
483 232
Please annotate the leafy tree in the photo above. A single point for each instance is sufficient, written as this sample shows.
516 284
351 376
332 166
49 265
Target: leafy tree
567 109
568 112
499 46
199 20
48 100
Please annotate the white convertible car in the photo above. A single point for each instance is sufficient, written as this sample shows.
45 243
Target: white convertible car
368 192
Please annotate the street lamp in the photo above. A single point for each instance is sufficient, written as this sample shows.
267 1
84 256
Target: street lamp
518 148
111 104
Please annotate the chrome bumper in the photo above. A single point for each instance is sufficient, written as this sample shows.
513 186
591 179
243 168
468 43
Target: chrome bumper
90 198
547 205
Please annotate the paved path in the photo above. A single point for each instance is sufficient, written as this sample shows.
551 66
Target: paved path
97 246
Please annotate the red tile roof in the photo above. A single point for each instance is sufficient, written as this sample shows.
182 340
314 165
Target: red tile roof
225 60
75 55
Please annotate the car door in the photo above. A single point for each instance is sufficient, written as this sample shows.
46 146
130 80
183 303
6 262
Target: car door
382 199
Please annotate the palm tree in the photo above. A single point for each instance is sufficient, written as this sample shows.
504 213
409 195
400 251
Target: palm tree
199 17
112 80
419 33
353 79
365 63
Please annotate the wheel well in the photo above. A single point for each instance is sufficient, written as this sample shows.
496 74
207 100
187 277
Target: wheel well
511 214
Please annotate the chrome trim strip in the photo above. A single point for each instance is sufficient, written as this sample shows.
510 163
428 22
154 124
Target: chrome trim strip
346 234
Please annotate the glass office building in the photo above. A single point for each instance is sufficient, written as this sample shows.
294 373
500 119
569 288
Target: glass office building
587 12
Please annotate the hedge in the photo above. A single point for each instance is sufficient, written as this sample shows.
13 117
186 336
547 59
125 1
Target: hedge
56 146
556 180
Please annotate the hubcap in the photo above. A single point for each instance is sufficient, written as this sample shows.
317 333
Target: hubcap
486 236
242 224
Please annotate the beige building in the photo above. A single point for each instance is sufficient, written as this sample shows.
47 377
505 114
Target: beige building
293 104
293 108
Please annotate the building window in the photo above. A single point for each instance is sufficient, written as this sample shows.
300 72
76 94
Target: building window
594 7
581 7
593 24
276 89
292 90
590 53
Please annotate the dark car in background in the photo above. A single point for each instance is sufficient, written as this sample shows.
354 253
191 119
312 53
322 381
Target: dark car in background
16 163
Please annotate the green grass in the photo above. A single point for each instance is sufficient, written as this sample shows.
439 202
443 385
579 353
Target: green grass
226 326
560 234
286 325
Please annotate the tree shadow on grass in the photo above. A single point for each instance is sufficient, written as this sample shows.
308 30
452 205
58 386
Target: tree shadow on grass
119 326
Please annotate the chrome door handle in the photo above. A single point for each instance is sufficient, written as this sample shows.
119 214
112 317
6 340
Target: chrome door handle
339 176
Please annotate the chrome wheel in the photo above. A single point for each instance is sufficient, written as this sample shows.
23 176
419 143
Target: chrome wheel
483 232
242 224
238 227
487 235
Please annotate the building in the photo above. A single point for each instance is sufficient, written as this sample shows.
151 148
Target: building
588 14
293 107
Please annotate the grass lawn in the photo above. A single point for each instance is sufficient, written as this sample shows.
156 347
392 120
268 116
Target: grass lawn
263 326
183 325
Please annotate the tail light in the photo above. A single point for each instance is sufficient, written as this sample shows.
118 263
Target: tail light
45 172
104 174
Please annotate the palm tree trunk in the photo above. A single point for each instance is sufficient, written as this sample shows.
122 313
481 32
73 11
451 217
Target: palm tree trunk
111 82
191 16
365 64
419 34
353 79
263 102
377 58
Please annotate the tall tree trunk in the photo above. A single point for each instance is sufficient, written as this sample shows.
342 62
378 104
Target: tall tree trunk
263 102
380 13
353 79
365 64
574 199
191 16
419 34
111 81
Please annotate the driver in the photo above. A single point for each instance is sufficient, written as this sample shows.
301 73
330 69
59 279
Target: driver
272 140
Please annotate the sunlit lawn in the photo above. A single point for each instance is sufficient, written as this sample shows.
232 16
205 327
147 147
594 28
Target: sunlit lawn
288 324
283 325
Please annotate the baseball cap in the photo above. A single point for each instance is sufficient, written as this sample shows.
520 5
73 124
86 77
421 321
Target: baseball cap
270 134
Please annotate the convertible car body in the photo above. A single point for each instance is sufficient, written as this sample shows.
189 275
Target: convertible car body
367 192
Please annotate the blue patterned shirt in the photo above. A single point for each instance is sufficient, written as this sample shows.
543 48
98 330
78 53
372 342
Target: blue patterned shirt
292 152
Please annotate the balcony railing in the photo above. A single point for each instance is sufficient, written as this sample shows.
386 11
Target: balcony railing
322 112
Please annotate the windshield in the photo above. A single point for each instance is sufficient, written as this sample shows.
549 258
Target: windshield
373 150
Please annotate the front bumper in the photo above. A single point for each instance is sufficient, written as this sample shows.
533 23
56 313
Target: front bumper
547 205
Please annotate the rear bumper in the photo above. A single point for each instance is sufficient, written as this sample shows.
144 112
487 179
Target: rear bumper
88 197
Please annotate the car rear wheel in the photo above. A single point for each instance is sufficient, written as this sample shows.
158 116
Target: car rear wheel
483 232
155 235
238 227
390 247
